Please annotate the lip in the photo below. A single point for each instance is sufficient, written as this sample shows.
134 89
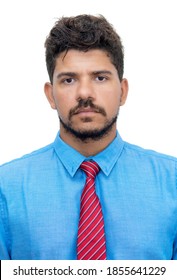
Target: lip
86 111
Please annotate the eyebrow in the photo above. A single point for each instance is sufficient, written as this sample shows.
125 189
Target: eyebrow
73 74
102 72
69 74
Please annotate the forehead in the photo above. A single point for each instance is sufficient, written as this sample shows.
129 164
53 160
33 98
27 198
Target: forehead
79 60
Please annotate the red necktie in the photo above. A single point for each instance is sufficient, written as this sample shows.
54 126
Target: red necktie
91 237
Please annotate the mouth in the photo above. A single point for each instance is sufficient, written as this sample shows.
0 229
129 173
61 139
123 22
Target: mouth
87 110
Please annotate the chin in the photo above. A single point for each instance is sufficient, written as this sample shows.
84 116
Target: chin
89 131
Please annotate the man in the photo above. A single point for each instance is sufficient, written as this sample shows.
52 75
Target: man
88 195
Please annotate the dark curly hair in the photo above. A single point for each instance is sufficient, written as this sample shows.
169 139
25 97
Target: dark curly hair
83 33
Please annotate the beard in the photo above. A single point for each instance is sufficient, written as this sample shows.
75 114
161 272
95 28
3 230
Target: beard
86 135
92 134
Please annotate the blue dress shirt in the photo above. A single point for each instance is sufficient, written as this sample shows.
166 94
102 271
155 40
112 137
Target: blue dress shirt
40 203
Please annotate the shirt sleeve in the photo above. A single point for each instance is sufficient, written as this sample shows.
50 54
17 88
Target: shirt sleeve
175 242
175 249
4 255
3 248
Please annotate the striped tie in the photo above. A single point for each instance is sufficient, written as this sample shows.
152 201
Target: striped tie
91 237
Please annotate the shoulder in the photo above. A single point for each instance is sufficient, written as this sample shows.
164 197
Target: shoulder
134 150
150 162
35 157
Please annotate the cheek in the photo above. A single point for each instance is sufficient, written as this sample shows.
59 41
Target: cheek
114 107
112 103
63 109
64 105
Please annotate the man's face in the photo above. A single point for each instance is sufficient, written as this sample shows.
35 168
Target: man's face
86 92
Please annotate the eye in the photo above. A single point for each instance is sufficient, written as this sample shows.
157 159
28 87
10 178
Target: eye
101 78
68 81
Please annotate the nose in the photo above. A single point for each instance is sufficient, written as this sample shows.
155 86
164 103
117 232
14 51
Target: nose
85 90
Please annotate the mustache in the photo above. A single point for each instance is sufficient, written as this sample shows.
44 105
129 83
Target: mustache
84 104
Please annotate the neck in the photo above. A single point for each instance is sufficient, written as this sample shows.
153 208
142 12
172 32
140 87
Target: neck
89 147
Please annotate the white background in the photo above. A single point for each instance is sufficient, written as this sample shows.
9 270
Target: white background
148 30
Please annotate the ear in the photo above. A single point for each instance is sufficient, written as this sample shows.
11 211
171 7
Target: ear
124 94
48 89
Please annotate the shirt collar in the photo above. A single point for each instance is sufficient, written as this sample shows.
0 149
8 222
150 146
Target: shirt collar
72 159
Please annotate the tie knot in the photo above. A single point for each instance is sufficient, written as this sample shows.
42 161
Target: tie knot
91 168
